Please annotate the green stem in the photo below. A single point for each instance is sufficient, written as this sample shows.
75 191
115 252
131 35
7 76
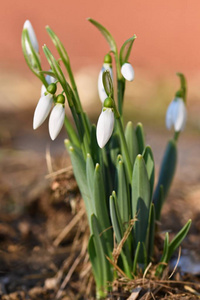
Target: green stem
176 135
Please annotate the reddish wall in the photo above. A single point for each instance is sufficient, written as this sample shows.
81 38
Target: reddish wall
168 31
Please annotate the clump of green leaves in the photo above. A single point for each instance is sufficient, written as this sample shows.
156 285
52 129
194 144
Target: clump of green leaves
117 179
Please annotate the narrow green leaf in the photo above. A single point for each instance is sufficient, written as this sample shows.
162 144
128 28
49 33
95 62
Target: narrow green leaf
79 169
90 179
151 233
166 175
163 259
126 50
95 261
140 137
149 161
135 261
101 205
101 251
50 73
175 243
140 200
106 34
73 137
123 201
115 219
132 142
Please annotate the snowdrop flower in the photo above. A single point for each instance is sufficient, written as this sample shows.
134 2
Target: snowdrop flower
42 110
127 71
176 114
32 36
105 125
107 65
57 117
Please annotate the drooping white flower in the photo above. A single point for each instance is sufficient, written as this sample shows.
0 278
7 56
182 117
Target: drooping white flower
32 36
127 71
56 120
101 90
176 115
105 126
42 110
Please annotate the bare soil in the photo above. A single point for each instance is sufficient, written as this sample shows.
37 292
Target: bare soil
43 227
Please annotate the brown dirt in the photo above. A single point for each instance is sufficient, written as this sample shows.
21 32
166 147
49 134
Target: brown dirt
36 262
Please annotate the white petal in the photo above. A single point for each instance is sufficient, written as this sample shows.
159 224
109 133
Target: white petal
56 120
180 115
169 115
50 79
32 36
43 90
105 127
127 72
101 90
42 110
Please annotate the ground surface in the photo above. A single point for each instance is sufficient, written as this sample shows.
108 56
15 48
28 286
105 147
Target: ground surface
35 259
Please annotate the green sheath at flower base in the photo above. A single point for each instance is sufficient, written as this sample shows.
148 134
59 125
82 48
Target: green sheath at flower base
52 88
60 99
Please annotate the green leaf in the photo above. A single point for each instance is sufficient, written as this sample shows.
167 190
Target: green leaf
93 144
101 251
175 243
131 140
101 205
149 161
95 261
106 34
135 262
123 201
140 201
119 233
163 260
166 175
126 50
107 83
90 178
79 169
140 137
151 233
59 46
115 219
71 133
50 73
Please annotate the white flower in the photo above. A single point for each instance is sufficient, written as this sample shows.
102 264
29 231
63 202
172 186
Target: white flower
105 126
101 90
127 71
176 114
56 120
32 36
42 110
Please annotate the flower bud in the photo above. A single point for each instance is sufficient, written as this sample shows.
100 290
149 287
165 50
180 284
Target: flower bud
56 120
32 36
107 65
176 115
42 110
60 99
105 126
127 71
52 88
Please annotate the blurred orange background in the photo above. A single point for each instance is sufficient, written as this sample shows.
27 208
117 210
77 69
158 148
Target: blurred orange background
167 42
168 31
